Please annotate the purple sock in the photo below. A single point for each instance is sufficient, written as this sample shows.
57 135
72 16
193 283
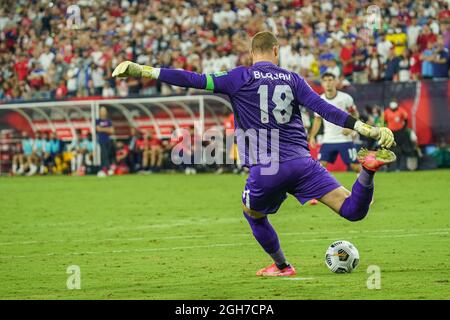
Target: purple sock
356 206
366 177
264 233
267 238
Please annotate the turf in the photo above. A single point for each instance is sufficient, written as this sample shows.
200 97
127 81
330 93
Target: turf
183 237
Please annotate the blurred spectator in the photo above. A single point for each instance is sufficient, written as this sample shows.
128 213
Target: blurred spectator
440 61
61 90
404 66
413 32
374 66
46 58
360 55
98 80
107 91
74 148
425 38
21 67
47 158
27 148
306 62
122 153
384 48
288 59
224 16
55 145
81 150
415 63
334 68
392 67
72 79
399 39
136 147
38 150
445 29
427 59
325 61
19 158
442 154
104 130
396 119
152 155
412 158
87 148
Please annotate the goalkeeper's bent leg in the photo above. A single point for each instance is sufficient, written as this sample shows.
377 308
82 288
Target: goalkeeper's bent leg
356 206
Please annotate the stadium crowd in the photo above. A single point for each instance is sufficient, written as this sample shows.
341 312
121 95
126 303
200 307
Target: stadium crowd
43 57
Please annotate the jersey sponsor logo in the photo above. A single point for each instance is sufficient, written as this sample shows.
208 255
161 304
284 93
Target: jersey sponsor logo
220 73
271 76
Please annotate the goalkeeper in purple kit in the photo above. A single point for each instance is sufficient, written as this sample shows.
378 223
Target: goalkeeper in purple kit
266 99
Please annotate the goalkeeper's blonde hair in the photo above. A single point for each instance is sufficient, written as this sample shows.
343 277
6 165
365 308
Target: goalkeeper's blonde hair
263 42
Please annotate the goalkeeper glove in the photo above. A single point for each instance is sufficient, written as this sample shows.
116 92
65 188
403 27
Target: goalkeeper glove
383 135
131 69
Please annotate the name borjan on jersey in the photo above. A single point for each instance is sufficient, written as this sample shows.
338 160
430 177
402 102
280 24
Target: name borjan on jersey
271 76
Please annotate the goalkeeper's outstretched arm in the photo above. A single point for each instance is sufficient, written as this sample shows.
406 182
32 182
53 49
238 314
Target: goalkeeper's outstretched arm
181 78
310 99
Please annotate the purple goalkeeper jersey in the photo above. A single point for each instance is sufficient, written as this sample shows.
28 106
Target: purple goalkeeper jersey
267 98
266 102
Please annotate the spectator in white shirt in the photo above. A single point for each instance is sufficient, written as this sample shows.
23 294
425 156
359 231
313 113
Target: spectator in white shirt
226 14
285 53
306 61
108 92
383 48
243 12
334 68
46 58
413 32
72 80
98 80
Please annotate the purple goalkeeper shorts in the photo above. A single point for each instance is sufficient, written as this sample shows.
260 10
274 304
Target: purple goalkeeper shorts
304 178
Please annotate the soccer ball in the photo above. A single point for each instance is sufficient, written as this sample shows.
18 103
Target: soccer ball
342 257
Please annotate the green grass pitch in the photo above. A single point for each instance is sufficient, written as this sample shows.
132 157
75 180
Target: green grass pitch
172 236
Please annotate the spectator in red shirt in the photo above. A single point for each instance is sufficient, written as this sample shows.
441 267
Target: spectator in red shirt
415 63
425 37
152 155
444 14
36 76
21 67
346 56
122 152
61 91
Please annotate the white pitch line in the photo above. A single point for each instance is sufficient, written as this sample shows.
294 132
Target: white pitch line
353 232
99 240
204 246
179 223
298 279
